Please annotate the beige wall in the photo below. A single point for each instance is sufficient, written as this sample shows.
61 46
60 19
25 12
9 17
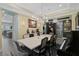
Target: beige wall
23 25
74 21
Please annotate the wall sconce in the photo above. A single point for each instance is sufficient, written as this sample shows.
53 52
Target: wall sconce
55 21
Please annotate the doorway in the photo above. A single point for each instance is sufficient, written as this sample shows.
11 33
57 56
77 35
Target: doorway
8 31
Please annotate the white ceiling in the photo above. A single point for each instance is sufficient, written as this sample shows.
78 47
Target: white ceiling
41 9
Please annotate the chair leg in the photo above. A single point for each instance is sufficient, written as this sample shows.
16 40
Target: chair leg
49 52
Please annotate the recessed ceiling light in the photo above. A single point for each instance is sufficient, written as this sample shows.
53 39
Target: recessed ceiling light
60 5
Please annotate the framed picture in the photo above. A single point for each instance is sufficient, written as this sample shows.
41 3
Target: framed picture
32 23
67 25
77 21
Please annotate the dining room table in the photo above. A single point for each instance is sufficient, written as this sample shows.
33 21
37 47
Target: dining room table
33 42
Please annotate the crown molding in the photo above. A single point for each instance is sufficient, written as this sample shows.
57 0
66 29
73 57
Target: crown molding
16 9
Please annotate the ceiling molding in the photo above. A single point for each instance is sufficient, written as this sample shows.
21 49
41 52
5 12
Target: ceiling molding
15 9
61 15
62 12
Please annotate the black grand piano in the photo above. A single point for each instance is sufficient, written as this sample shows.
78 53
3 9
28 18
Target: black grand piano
71 49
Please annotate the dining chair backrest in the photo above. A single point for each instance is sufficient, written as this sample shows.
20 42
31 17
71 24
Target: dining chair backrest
20 51
44 42
51 39
18 47
13 49
17 44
